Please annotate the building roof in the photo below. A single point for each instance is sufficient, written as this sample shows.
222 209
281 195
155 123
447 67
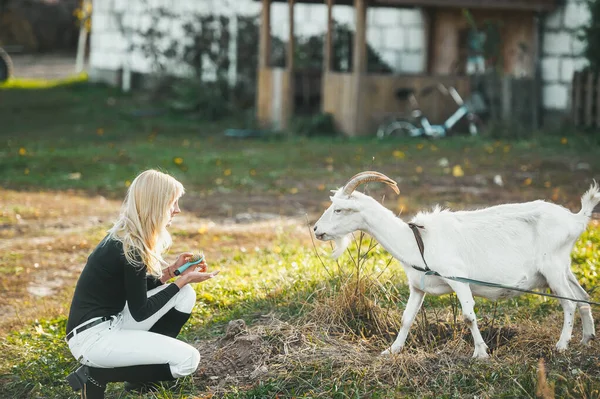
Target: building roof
532 5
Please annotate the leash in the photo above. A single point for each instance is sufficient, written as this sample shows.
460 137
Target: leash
428 272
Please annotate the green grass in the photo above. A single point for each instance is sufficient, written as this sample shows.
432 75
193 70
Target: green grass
37 84
89 138
289 281
92 140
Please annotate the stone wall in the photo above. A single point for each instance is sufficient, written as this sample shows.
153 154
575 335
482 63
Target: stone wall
562 53
396 34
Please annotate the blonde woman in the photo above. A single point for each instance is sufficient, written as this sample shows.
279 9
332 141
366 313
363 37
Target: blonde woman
124 316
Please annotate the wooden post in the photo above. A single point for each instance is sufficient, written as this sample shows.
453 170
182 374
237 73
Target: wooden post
265 94
264 52
359 68
577 96
597 94
290 46
359 64
429 14
589 98
327 60
289 95
536 81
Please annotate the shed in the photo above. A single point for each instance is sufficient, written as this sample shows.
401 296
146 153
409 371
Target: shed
357 99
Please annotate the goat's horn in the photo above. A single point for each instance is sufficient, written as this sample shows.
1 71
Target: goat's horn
365 177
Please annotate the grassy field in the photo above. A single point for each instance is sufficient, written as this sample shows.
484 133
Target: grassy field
314 327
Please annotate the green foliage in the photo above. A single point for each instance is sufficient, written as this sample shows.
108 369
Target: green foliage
590 35
321 124
586 259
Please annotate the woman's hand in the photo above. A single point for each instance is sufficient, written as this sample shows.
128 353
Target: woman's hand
198 277
194 276
181 260
198 267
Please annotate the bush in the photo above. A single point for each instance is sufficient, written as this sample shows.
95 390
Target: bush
321 124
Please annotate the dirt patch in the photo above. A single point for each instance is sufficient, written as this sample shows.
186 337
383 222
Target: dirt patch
245 355
47 236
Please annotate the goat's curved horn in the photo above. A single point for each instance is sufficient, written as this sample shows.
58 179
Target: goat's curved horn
365 177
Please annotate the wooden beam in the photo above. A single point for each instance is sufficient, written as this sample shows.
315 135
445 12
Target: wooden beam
290 93
536 68
327 59
291 45
537 5
359 64
264 51
359 69
429 16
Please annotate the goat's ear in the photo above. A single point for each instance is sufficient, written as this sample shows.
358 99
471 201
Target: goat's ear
346 204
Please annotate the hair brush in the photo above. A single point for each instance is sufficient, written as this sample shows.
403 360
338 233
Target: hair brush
194 260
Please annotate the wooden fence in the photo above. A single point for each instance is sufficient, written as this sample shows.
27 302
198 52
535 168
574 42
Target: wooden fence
510 99
585 101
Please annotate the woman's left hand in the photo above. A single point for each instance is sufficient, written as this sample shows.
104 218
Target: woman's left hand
181 260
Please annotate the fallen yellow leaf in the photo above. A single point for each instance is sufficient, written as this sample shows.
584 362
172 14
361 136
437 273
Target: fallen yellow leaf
457 171
398 154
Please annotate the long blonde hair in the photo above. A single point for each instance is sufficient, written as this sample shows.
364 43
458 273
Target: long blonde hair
145 212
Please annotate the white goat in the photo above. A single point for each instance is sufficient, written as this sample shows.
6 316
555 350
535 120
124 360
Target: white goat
526 246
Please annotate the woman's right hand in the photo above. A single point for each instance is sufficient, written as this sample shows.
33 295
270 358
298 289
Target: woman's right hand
194 277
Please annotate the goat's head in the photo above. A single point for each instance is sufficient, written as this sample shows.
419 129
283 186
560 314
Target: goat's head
345 215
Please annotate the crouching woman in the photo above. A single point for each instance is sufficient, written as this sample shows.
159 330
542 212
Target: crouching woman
124 317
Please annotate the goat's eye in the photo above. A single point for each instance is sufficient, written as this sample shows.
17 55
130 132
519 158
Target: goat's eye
337 211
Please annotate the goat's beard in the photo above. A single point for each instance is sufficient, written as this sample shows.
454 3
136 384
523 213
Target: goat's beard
340 246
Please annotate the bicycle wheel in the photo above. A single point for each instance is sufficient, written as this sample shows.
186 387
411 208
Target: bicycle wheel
5 66
398 128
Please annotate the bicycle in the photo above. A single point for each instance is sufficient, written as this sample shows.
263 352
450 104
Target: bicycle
6 66
418 125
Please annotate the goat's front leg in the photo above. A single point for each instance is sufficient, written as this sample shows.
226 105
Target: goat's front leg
415 300
467 303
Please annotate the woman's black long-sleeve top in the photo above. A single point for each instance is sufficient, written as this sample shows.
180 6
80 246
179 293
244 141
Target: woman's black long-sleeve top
108 281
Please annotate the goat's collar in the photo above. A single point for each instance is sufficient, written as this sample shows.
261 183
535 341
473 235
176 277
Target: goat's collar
415 228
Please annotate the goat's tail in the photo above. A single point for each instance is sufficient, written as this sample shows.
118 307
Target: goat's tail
589 200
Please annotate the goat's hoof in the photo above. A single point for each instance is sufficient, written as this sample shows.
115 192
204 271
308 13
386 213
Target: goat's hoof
587 338
390 351
481 355
562 347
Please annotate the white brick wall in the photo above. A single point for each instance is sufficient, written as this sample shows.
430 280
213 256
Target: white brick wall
396 34
562 53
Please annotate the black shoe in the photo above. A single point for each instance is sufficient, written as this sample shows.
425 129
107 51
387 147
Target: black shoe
80 380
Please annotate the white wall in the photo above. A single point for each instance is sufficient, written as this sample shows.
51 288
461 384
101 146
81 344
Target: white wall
396 34
561 53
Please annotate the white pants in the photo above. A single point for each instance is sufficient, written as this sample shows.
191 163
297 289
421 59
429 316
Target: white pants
123 341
